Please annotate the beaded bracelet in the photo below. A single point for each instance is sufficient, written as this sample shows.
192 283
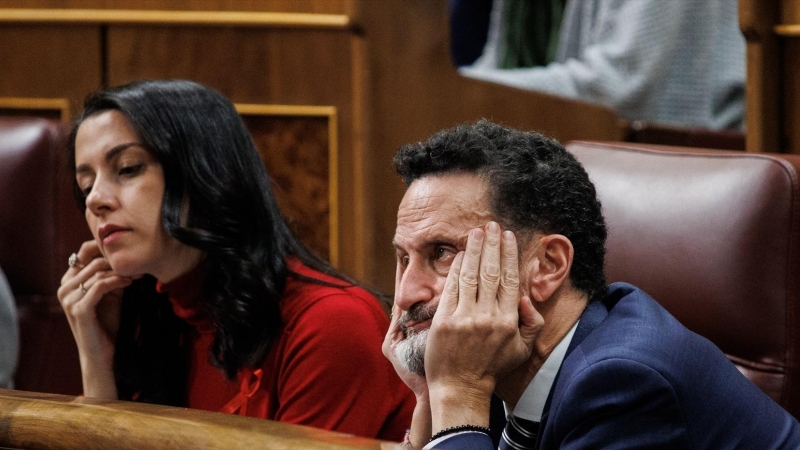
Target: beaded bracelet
407 440
458 429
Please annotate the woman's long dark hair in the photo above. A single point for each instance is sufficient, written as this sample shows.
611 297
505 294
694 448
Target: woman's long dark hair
218 199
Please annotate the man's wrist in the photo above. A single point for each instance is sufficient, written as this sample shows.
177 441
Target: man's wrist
454 406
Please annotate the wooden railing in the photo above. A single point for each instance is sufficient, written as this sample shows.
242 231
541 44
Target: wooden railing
47 421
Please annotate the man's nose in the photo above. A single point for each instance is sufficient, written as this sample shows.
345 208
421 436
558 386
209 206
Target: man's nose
413 286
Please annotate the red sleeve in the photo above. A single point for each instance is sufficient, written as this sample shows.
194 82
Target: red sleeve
334 375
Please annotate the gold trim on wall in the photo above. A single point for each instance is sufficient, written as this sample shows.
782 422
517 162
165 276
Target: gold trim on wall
164 17
23 103
792 30
328 112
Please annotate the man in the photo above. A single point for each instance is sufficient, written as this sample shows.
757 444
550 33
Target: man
500 289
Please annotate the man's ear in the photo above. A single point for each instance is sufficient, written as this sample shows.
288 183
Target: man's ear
548 266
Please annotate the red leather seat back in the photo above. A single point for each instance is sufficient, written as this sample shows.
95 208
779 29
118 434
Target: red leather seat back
714 236
39 227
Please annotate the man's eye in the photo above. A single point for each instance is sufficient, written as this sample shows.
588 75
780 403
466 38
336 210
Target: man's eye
403 260
442 252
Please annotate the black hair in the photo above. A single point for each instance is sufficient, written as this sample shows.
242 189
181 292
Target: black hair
217 198
534 185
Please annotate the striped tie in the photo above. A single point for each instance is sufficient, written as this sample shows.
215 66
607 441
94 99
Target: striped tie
519 434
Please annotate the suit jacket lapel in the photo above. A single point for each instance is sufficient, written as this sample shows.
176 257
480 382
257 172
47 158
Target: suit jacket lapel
594 313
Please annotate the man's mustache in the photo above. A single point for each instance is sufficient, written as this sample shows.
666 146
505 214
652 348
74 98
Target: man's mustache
418 313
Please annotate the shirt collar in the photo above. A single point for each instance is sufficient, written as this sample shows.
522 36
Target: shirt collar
531 404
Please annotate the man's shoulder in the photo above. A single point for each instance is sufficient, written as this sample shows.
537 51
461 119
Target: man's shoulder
637 326
640 330
642 362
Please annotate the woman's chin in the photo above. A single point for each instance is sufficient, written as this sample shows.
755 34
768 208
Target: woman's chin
126 269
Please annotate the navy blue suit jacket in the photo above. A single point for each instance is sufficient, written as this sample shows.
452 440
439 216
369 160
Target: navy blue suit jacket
634 377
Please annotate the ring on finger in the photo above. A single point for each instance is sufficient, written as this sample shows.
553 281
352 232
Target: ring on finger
83 289
73 260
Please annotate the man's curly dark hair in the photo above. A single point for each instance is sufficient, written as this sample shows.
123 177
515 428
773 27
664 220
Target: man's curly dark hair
535 185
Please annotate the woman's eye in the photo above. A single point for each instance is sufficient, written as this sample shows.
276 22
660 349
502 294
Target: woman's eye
85 191
131 170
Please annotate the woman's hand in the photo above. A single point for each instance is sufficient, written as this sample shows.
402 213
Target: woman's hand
91 295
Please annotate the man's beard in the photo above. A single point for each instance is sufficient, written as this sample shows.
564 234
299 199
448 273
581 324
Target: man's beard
410 352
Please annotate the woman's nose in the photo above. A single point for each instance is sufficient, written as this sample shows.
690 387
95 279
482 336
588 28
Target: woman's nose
100 198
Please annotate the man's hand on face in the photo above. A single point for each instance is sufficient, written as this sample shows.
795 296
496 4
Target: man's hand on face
394 336
482 329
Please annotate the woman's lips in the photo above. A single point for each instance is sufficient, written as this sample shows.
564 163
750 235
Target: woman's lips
112 237
109 233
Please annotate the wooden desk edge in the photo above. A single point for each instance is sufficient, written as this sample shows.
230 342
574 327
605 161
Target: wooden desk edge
36 420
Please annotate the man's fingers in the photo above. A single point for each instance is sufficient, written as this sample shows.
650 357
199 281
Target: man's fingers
489 268
448 302
469 271
393 334
508 290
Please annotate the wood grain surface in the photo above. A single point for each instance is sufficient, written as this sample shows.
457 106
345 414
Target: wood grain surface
48 421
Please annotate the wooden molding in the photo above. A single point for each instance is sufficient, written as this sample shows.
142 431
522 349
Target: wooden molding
164 17
328 112
792 30
23 103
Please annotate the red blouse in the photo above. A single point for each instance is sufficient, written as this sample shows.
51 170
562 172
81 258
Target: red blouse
326 370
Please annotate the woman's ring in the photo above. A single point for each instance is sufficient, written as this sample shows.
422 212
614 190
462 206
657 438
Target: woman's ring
73 260
83 289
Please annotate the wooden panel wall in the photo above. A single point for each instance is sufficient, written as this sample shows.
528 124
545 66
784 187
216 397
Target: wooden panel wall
788 31
383 65
51 62
267 67
298 151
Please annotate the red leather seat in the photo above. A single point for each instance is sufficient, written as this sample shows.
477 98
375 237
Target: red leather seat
39 227
714 236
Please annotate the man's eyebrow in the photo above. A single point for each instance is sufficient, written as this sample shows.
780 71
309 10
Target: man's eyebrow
436 241
110 155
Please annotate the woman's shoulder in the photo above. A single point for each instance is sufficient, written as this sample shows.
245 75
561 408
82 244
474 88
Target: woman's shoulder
310 293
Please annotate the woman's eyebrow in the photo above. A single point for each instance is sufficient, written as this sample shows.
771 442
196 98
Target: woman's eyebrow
110 155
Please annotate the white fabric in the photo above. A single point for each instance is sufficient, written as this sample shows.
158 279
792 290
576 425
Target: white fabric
531 404
9 339
676 62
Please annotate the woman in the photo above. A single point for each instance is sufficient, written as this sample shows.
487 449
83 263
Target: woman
194 292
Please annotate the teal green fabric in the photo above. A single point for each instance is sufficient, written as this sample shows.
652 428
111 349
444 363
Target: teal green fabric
531 33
